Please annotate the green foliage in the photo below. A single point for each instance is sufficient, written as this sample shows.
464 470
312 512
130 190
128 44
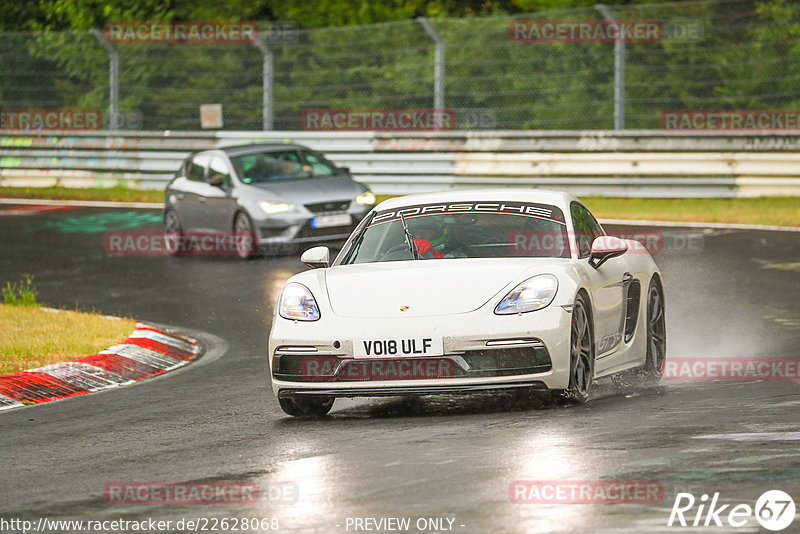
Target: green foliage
22 293
745 59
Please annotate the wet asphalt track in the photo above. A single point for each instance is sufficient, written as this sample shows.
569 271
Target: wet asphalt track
437 457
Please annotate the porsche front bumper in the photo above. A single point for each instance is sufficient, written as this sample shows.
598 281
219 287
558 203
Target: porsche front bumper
482 351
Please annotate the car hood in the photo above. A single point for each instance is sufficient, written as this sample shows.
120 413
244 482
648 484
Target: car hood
309 190
425 287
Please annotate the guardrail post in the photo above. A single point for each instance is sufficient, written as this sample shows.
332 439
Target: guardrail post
619 72
113 78
438 65
266 54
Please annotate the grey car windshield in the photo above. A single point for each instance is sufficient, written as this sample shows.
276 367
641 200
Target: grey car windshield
462 230
272 166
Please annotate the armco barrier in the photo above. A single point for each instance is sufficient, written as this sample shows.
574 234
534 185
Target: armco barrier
628 163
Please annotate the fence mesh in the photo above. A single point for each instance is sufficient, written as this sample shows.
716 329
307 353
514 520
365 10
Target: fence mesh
731 54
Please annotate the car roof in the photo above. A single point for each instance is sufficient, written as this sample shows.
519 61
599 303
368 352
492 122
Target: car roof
538 196
255 148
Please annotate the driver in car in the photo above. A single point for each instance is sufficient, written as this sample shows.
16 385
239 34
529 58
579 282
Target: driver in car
288 168
456 239
424 235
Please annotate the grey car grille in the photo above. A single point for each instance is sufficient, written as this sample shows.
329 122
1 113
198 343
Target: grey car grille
332 206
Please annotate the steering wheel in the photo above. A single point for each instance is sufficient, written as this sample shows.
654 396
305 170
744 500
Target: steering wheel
395 248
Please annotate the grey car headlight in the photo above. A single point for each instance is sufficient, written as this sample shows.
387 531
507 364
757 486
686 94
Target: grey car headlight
272 208
533 294
367 198
298 304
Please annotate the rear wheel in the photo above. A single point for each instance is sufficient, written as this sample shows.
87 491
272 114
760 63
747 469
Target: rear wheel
246 242
172 232
581 374
656 334
299 406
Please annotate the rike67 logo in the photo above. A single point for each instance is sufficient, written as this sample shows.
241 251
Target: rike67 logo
774 510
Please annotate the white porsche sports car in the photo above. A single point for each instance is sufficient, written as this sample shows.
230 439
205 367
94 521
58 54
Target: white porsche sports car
464 291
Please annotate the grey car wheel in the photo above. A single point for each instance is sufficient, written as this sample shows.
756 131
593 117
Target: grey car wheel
172 232
246 242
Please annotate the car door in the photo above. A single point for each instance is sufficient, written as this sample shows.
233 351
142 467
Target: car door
187 190
606 283
218 198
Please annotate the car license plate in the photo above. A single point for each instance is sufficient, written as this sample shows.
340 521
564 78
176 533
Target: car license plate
398 348
327 221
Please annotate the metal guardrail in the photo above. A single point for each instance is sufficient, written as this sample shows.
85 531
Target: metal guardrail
628 163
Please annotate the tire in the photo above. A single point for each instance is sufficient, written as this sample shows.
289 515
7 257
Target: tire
306 406
173 232
656 334
649 375
246 239
581 372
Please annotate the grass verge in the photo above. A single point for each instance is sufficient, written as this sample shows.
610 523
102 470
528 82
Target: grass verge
775 211
32 337
112 194
778 211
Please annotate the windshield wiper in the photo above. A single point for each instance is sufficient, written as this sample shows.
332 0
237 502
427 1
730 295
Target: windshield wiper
412 246
356 241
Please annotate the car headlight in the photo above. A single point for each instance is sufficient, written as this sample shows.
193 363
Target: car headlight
533 294
297 303
367 198
276 207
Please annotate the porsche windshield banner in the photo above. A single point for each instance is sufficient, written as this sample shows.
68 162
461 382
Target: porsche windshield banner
540 211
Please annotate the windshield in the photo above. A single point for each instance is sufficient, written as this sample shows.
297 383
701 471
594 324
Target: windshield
280 165
462 230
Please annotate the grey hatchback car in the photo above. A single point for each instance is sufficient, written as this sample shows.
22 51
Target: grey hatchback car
271 197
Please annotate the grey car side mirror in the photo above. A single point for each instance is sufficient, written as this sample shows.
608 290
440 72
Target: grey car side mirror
316 257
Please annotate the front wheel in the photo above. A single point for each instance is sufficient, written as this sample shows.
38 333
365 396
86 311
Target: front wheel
298 406
581 375
246 241
173 232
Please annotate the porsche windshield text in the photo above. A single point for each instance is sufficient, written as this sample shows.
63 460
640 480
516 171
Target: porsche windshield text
460 230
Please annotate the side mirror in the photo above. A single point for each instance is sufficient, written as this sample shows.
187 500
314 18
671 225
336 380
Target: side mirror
217 182
606 247
316 257
345 170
